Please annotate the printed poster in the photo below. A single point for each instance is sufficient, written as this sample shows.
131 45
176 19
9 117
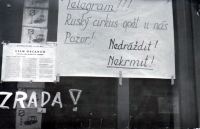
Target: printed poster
28 62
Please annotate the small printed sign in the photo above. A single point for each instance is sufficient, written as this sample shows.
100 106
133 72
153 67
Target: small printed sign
28 119
34 35
35 17
37 3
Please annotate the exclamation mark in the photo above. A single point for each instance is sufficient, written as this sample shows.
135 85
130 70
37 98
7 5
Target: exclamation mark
130 3
75 101
156 44
124 3
119 4
152 60
92 37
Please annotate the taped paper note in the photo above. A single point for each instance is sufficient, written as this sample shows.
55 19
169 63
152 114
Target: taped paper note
100 38
28 119
37 3
28 62
35 17
34 35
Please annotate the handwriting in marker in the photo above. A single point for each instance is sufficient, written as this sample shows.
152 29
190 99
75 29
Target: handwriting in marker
124 3
130 3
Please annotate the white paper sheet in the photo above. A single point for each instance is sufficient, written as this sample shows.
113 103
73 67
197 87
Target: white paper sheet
37 3
28 62
28 119
35 17
99 38
34 35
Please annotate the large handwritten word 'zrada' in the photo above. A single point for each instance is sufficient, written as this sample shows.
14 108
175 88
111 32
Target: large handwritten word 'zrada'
20 97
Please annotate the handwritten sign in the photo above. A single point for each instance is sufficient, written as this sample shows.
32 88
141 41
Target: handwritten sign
100 38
